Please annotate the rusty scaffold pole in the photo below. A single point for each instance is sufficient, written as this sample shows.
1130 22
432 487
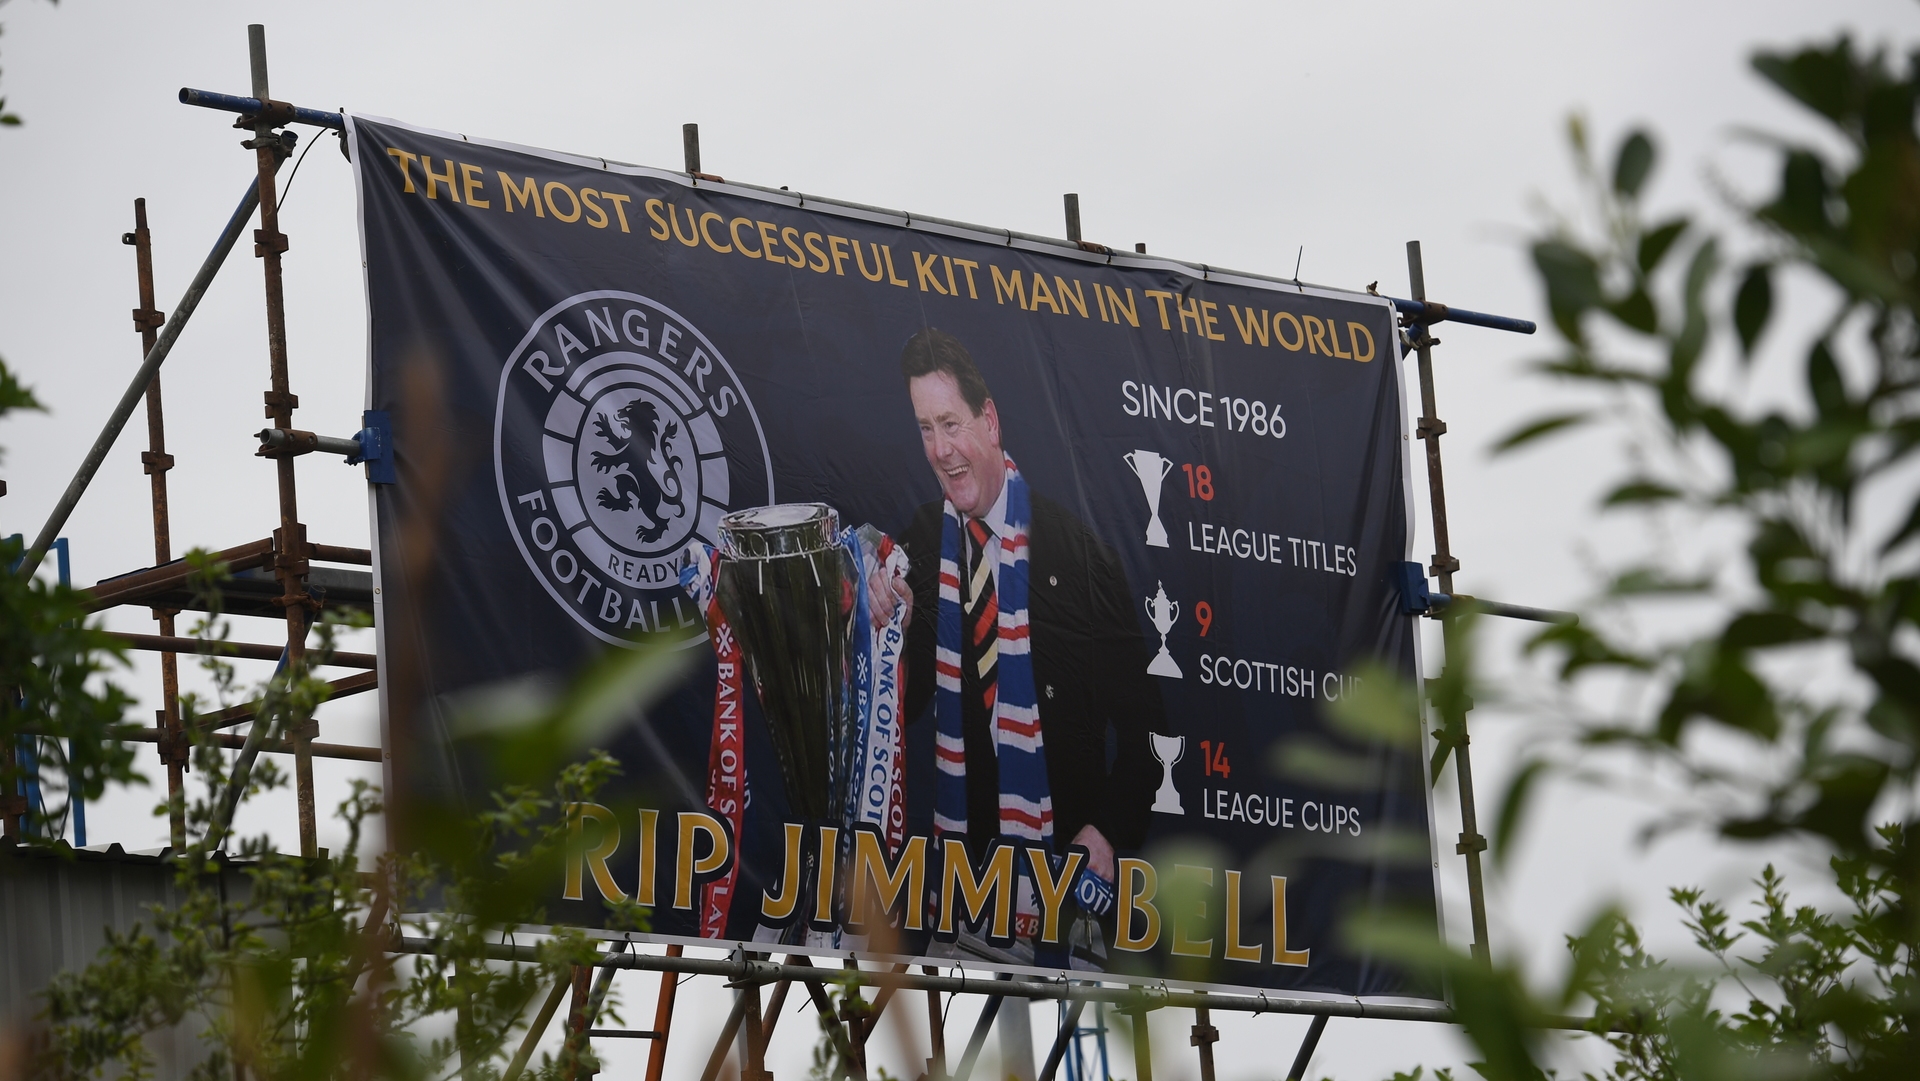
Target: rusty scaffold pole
290 539
1204 1035
1429 429
663 1018
155 461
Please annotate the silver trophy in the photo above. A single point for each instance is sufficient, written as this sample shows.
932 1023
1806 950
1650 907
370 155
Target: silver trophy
1151 468
1163 612
785 585
1168 750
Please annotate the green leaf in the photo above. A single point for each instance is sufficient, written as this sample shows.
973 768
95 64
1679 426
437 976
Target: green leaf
1636 311
1378 707
1655 245
1676 389
1823 380
1801 207
1825 80
1538 429
1573 283
1640 491
1886 717
1581 648
1513 807
13 395
1848 791
1632 164
1899 683
1718 685
1753 304
1759 630
1655 581
1318 762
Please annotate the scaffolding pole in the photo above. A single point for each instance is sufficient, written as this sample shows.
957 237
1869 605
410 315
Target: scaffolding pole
290 540
147 321
1430 428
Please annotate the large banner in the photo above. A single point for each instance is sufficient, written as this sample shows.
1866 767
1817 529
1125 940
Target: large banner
1010 574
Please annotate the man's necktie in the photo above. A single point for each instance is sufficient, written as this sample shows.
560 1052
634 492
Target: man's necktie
982 613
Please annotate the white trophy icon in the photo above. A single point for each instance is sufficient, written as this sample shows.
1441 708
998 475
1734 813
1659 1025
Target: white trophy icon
1163 612
1168 750
1151 469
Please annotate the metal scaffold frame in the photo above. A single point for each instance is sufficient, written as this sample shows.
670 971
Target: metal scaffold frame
284 583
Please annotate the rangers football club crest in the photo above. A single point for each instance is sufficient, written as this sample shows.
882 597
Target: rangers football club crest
621 435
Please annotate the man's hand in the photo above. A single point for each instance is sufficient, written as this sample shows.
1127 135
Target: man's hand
887 591
1099 852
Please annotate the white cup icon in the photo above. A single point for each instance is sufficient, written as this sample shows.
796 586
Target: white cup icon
1168 750
1151 468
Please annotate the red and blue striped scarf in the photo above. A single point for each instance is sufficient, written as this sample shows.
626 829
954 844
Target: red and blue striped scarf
1026 803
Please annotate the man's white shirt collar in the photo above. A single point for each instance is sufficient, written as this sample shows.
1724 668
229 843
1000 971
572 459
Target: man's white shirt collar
996 522
996 518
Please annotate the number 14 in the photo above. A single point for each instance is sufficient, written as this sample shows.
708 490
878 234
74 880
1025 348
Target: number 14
1214 757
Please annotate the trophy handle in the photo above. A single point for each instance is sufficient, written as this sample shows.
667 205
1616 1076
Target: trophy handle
1128 458
1149 604
1166 466
1173 607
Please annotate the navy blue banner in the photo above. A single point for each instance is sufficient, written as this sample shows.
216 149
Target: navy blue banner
1009 572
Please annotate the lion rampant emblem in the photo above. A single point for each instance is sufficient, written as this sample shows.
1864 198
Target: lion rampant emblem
640 442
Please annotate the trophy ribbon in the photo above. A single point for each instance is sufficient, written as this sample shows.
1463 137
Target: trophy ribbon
878 792
726 753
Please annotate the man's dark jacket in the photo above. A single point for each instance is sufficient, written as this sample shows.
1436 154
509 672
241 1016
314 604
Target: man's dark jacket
1089 674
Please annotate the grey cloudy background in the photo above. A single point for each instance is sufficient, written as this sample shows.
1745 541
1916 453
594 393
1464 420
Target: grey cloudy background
1242 135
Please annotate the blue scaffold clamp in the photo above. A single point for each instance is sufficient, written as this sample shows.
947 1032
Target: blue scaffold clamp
376 447
1415 598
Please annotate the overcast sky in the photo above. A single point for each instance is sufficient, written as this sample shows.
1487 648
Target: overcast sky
1242 135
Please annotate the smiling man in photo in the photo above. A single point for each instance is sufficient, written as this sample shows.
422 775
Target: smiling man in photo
1024 638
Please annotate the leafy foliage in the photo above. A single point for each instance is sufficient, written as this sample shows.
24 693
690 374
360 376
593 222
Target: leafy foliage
1667 330
1822 994
288 968
51 662
54 693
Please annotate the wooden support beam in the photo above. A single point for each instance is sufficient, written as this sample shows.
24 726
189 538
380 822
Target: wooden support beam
333 553
577 1011
251 651
771 1017
1069 1029
817 991
539 1027
1204 1036
1307 1046
754 1068
980 1030
880 1005
663 1018
856 1026
246 711
718 1057
936 1031
132 588
228 739
1142 1045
